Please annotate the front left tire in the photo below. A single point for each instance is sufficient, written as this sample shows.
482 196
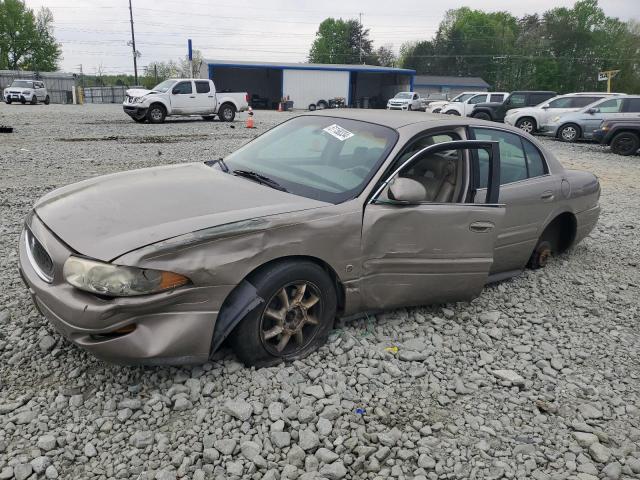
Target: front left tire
295 318
527 124
625 143
569 132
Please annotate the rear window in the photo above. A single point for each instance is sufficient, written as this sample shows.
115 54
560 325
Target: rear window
633 105
202 87
537 98
497 97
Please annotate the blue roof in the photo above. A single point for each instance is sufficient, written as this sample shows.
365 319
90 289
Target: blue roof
310 66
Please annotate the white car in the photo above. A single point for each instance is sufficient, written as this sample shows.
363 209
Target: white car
436 107
464 107
26 91
530 119
405 101
183 96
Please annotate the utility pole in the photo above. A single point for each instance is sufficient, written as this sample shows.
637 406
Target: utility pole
360 39
133 46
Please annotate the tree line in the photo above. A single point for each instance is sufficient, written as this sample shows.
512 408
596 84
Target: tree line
26 38
563 49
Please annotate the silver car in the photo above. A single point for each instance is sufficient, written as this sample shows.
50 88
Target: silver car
325 215
580 125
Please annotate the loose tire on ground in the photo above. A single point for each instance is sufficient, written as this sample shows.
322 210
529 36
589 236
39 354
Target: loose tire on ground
527 124
227 112
482 116
312 107
156 113
569 132
286 329
625 143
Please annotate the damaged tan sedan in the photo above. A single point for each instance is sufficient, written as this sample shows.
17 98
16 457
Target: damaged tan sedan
325 215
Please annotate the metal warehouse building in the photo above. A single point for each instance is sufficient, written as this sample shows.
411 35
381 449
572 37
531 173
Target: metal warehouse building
60 85
425 84
306 83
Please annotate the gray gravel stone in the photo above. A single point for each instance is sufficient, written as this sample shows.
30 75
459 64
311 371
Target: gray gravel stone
599 452
238 409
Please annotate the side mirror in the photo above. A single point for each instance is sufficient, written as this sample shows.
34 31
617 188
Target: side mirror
545 107
591 111
175 91
407 190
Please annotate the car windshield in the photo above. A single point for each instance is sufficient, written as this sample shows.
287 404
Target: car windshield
164 86
22 84
463 97
325 158
403 95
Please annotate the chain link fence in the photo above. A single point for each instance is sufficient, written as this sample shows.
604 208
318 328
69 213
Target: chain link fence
59 85
114 94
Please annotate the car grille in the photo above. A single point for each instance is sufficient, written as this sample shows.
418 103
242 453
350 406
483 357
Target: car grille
14 92
38 257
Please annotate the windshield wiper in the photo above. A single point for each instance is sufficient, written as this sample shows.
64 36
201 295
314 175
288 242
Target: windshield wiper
257 177
219 161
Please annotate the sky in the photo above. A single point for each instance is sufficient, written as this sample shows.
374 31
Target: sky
95 33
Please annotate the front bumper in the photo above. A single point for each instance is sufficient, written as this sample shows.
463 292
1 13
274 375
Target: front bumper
397 107
135 111
174 327
15 97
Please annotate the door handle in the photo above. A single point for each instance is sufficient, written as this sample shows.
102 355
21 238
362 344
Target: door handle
548 195
210 96
481 227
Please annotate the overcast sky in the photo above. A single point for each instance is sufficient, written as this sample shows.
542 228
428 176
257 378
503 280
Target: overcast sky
96 32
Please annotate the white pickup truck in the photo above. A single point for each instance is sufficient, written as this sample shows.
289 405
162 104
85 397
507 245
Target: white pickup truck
183 96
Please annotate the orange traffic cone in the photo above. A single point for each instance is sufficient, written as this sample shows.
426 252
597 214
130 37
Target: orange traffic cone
250 119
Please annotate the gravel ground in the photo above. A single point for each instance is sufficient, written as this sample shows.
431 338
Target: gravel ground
538 378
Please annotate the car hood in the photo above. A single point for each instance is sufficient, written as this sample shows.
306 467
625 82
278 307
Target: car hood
18 89
108 216
139 92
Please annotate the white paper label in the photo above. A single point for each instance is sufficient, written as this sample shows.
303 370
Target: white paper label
337 131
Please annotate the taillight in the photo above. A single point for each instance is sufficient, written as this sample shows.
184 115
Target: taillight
246 97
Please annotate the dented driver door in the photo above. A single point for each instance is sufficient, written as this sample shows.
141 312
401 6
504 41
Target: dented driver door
423 252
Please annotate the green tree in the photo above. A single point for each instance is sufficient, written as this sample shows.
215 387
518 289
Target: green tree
26 40
342 41
385 57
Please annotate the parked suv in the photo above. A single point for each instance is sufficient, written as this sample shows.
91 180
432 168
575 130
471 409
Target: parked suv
26 91
621 134
465 107
581 124
497 111
530 119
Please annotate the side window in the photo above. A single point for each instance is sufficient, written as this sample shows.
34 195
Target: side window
202 87
610 106
497 97
513 163
477 99
537 98
633 105
579 102
182 88
535 162
422 142
415 96
566 102
517 99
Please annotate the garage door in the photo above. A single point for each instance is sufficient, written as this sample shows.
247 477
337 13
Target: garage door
305 87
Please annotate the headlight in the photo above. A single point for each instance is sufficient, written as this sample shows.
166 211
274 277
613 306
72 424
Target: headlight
138 100
116 280
26 92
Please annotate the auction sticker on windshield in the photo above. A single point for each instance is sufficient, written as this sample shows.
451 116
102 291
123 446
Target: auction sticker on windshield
337 131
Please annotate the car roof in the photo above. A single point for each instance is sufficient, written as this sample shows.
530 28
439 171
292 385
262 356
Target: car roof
399 119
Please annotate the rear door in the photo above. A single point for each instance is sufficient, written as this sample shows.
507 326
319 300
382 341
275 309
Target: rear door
206 99
183 98
526 188
431 250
